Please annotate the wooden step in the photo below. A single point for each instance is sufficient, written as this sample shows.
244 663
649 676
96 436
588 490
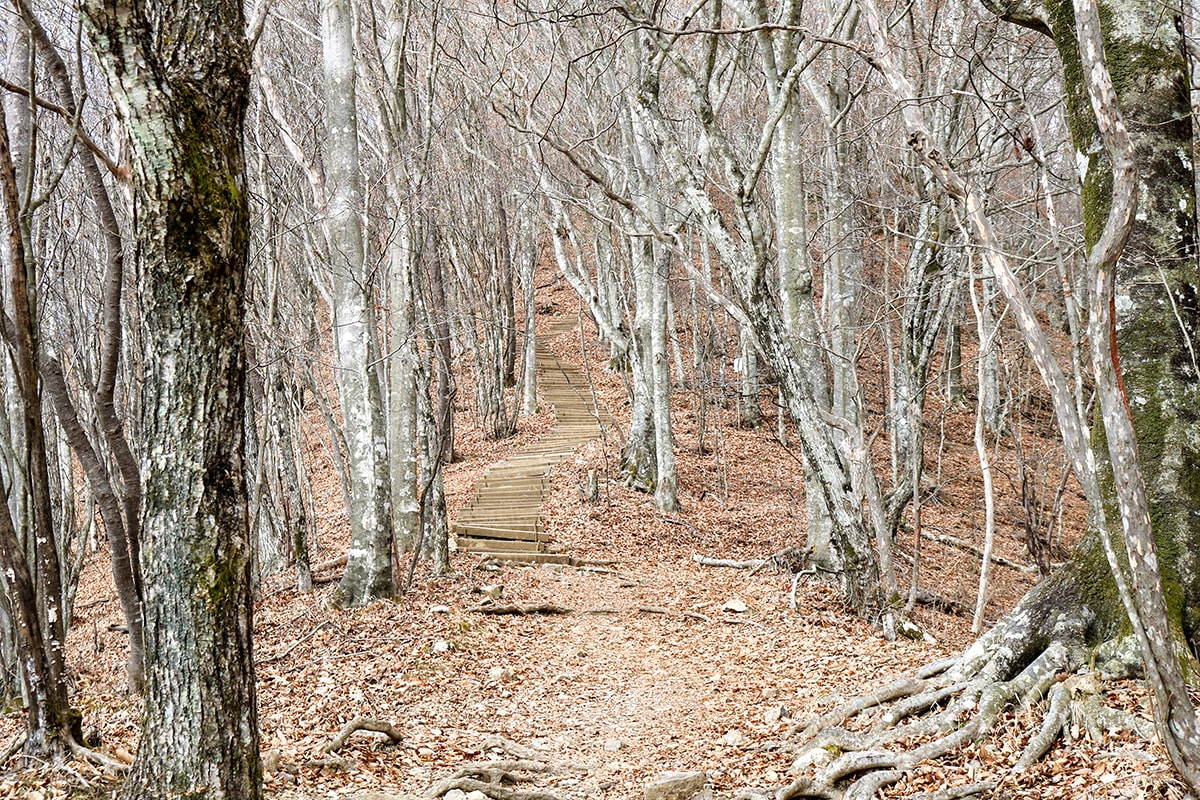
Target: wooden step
498 545
529 558
508 534
517 523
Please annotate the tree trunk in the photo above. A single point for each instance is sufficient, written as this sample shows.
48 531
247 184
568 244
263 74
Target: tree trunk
750 414
402 388
51 724
1077 616
528 276
368 573
1156 308
179 74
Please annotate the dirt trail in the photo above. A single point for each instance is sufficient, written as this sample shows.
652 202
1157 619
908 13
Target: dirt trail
505 514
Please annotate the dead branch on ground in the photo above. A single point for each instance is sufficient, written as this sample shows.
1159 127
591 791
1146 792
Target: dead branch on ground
519 610
789 559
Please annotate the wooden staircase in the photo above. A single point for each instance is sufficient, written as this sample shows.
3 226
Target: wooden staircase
504 518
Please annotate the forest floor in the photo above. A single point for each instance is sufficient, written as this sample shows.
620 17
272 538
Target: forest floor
656 667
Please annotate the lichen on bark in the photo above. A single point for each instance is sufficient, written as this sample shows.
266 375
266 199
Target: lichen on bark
179 73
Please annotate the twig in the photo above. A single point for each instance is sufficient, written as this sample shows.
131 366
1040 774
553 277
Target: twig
332 762
954 541
1136 755
792 593
297 643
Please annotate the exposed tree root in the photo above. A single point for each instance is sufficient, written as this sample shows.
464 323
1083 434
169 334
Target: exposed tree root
492 789
952 703
363 724
495 778
107 763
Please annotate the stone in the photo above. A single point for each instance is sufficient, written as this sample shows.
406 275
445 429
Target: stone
477 795
735 606
456 794
613 745
439 610
442 647
676 786
733 738
775 713
501 674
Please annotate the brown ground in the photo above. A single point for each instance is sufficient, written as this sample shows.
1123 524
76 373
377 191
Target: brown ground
648 674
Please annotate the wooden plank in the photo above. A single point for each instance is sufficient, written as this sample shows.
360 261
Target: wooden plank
498 545
499 523
528 516
530 558
514 482
497 532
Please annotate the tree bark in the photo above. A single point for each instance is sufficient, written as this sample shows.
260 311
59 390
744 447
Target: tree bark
368 573
179 74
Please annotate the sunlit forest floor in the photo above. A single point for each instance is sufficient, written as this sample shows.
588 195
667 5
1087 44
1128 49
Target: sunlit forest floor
653 669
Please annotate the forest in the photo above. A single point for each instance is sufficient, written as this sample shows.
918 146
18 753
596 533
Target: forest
550 400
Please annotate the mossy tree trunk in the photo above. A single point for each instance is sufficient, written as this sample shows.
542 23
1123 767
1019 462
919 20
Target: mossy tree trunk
1156 303
1157 300
1077 619
178 71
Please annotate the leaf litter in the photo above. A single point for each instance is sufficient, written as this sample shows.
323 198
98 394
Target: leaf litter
648 673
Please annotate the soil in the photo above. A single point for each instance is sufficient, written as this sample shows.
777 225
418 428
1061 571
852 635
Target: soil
653 670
